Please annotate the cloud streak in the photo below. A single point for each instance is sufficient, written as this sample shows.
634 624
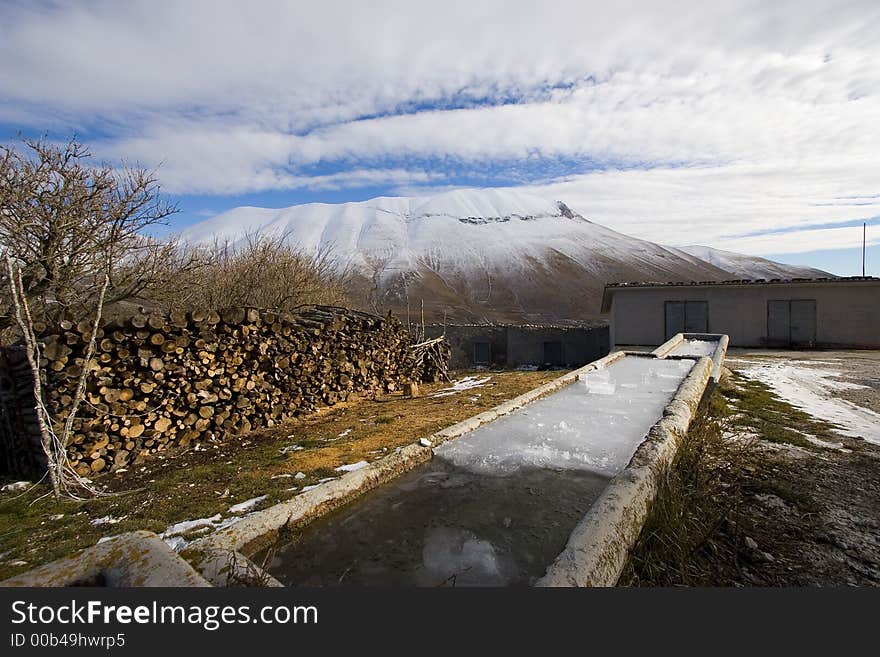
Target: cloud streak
734 117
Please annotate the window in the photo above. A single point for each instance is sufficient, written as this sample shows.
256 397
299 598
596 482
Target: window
482 353
686 317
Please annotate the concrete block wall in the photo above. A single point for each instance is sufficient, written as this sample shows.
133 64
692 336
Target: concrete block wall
847 314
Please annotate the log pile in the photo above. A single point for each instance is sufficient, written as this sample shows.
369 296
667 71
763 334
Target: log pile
430 360
160 381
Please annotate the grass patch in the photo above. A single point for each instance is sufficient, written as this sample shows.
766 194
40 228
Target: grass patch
207 479
694 529
680 540
758 409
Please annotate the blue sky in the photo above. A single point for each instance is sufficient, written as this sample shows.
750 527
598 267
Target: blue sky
747 126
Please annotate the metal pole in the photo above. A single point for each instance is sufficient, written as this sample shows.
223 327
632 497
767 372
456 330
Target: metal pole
864 232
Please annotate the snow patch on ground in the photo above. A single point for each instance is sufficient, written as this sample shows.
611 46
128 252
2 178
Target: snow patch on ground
811 389
351 467
818 442
186 526
247 505
173 533
467 383
17 486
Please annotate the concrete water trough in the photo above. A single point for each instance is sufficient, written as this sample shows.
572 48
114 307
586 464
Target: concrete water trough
548 489
695 345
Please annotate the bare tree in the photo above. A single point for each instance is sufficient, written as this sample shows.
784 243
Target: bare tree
376 266
67 223
259 270
71 238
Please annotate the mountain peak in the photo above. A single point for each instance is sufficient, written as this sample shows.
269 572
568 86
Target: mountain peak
500 255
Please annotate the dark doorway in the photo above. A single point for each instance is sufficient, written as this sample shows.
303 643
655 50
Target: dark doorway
686 317
553 354
482 353
791 322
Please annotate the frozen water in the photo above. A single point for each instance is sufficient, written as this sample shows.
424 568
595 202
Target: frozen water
458 554
440 526
694 348
497 505
595 424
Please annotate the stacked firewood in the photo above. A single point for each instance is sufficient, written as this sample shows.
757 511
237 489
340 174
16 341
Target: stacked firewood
161 381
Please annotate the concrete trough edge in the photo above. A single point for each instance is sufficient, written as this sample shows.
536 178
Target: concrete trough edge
718 355
668 346
223 557
597 549
718 359
720 350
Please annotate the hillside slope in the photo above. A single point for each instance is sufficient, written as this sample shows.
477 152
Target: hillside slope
743 266
470 255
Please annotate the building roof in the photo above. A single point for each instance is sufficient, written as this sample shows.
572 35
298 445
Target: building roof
611 288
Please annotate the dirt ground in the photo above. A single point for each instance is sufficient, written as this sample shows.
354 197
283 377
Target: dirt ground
823 523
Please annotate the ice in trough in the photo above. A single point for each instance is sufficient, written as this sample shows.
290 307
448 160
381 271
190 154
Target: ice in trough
694 348
594 424
495 506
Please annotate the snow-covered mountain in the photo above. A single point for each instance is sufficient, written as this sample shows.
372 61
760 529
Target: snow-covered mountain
471 255
743 266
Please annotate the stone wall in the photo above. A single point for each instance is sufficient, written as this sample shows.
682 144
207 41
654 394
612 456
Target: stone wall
518 346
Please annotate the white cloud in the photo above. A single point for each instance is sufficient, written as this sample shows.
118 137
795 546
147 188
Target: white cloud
730 117
799 241
721 206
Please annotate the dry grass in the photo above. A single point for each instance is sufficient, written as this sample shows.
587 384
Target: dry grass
697 495
169 488
705 505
